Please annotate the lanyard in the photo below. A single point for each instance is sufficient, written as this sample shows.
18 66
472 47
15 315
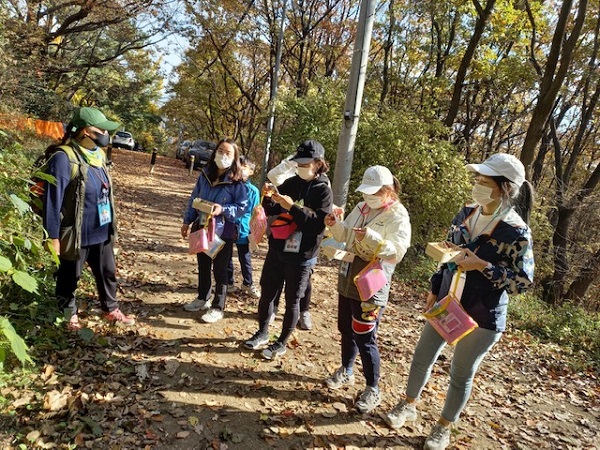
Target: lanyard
363 217
102 188
498 213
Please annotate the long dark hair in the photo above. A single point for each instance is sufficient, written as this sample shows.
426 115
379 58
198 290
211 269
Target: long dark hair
521 199
234 172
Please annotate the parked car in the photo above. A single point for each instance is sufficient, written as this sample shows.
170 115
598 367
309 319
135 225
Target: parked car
182 149
201 151
123 139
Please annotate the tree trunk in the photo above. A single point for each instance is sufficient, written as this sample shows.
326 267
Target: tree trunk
555 72
582 282
483 16
387 56
559 243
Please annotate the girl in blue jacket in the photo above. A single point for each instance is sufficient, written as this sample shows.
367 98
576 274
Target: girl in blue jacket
220 182
497 260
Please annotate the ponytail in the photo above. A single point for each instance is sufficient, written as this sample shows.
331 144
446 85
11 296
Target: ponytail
393 189
523 203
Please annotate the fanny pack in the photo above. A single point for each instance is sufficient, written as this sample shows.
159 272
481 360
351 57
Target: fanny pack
283 226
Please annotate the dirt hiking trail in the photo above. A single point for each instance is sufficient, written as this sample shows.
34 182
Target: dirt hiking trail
176 383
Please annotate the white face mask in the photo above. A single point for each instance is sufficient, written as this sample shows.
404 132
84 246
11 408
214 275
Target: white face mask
306 173
374 201
222 161
482 194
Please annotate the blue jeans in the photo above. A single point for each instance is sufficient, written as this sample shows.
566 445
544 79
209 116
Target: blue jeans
468 354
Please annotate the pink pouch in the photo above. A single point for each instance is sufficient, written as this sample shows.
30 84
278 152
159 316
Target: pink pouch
370 280
258 224
448 317
198 241
450 320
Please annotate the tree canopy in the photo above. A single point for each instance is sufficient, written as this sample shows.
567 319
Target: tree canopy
447 83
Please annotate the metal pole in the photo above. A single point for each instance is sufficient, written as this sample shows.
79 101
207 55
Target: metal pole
345 153
274 81
192 164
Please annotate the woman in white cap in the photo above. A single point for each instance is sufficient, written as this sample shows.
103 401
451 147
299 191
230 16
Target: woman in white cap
295 233
497 260
378 227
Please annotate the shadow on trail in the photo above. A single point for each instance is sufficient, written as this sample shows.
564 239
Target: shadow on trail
249 400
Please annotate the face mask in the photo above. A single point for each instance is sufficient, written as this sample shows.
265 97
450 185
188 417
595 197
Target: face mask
374 201
482 194
306 173
222 161
101 140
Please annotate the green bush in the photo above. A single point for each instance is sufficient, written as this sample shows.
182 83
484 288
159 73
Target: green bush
571 327
314 116
25 268
432 175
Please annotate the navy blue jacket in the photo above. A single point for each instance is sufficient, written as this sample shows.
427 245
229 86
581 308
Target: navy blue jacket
231 195
91 231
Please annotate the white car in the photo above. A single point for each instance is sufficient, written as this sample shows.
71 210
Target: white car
123 139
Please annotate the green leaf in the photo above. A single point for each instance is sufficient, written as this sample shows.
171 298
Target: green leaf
26 281
94 426
17 344
45 176
86 334
21 206
5 264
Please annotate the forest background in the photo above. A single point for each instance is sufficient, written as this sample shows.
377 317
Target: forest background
447 83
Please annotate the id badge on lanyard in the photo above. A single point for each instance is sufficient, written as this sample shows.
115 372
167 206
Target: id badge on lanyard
104 211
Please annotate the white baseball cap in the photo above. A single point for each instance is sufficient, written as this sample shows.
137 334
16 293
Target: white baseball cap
375 178
501 165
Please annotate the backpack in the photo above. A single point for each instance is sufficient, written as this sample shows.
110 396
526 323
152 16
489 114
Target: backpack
40 176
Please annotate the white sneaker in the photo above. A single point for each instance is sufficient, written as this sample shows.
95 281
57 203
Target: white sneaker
368 400
251 290
340 378
212 315
403 412
305 321
198 305
438 439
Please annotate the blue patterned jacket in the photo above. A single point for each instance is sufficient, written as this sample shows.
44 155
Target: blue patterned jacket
508 247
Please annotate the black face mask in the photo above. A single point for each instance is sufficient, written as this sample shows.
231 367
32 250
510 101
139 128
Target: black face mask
101 140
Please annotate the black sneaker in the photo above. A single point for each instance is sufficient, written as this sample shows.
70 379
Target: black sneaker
257 341
274 350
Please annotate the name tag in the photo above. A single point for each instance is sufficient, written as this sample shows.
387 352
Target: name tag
104 212
292 244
